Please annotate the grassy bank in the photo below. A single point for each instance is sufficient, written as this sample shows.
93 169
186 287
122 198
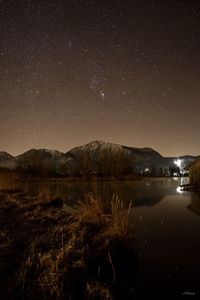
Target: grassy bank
51 251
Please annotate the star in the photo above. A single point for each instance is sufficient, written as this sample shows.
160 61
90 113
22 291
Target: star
77 59
102 94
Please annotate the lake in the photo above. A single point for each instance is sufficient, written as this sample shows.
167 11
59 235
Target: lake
167 231
167 240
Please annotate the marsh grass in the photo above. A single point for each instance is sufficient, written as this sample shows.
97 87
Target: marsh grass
120 216
63 255
5 243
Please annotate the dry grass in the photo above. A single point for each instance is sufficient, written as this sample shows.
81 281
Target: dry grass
98 291
120 217
73 256
5 242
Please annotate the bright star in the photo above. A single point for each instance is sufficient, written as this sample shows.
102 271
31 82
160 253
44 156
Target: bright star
102 94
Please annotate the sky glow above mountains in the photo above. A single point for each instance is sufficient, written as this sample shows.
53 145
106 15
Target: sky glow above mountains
121 71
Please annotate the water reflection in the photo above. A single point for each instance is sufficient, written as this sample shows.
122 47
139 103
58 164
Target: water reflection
148 192
167 240
168 244
194 206
179 190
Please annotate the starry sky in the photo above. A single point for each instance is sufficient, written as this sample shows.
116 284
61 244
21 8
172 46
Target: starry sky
73 71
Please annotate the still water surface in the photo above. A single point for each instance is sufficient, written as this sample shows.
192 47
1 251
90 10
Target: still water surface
167 232
168 241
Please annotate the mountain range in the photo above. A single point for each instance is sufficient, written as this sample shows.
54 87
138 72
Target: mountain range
95 158
4 156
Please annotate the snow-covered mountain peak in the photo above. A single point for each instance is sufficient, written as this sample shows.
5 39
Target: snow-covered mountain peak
97 146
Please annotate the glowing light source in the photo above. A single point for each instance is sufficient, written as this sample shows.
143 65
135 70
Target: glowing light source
179 190
178 162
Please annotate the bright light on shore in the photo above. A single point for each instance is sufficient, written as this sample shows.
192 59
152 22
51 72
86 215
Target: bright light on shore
178 162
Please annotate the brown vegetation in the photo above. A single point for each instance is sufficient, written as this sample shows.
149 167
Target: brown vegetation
194 173
49 252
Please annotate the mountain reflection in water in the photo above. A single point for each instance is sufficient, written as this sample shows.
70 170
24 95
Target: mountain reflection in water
166 244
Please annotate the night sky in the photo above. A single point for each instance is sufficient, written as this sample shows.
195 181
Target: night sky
74 71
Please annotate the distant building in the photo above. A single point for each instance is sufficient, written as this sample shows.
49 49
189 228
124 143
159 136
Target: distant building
194 172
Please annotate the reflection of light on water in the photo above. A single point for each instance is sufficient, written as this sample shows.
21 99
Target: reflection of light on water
179 190
184 180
